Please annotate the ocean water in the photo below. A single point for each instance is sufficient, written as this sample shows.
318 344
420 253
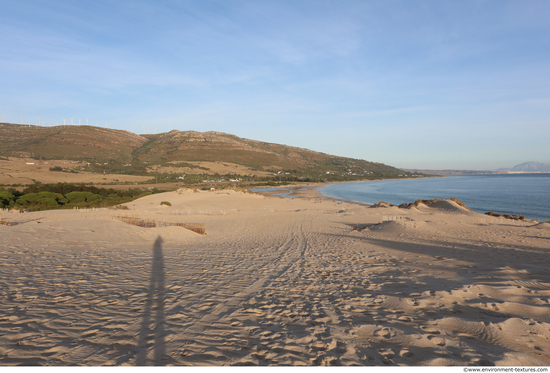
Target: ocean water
522 194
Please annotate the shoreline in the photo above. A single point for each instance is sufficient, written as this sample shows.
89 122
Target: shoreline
504 209
310 191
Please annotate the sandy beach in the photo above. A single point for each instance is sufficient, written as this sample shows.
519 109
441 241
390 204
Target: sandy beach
275 281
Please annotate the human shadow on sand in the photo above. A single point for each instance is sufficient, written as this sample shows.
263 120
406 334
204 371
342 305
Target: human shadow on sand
152 326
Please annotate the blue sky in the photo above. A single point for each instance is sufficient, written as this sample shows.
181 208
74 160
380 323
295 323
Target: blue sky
414 84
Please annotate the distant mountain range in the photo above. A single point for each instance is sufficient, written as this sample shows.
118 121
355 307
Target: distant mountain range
124 152
529 167
523 167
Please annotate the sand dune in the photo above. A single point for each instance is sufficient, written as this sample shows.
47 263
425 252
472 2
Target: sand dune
273 282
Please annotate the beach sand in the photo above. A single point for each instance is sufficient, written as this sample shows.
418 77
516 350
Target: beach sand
275 281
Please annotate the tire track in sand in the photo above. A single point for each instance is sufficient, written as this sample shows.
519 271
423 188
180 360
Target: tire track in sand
289 257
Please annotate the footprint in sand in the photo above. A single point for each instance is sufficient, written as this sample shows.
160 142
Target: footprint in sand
437 340
430 330
387 355
384 332
387 352
318 346
405 318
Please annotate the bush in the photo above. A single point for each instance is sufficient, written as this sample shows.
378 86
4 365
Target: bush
28 199
58 197
48 203
166 203
6 198
78 197
42 200
64 195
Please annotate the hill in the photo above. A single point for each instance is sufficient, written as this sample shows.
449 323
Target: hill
531 167
523 167
177 152
67 142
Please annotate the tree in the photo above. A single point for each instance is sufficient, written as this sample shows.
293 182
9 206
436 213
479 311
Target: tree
6 198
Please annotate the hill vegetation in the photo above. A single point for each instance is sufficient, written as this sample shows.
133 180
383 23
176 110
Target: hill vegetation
64 195
169 156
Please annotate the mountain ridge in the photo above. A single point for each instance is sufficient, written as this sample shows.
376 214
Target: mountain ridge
529 167
120 151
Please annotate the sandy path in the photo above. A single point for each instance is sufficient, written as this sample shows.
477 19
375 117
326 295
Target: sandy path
274 282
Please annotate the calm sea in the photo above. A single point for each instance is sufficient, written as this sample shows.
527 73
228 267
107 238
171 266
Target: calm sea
523 194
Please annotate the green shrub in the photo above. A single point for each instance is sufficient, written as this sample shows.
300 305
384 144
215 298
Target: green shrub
48 203
6 198
78 197
27 199
166 203
58 197
51 196
42 200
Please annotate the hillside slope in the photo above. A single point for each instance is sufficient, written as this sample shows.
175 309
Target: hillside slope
532 166
68 142
125 152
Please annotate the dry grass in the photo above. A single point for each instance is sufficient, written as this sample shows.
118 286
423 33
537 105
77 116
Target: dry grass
506 216
17 171
460 203
221 168
428 202
242 190
199 228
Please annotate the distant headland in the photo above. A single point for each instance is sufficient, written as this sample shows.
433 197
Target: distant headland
526 167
